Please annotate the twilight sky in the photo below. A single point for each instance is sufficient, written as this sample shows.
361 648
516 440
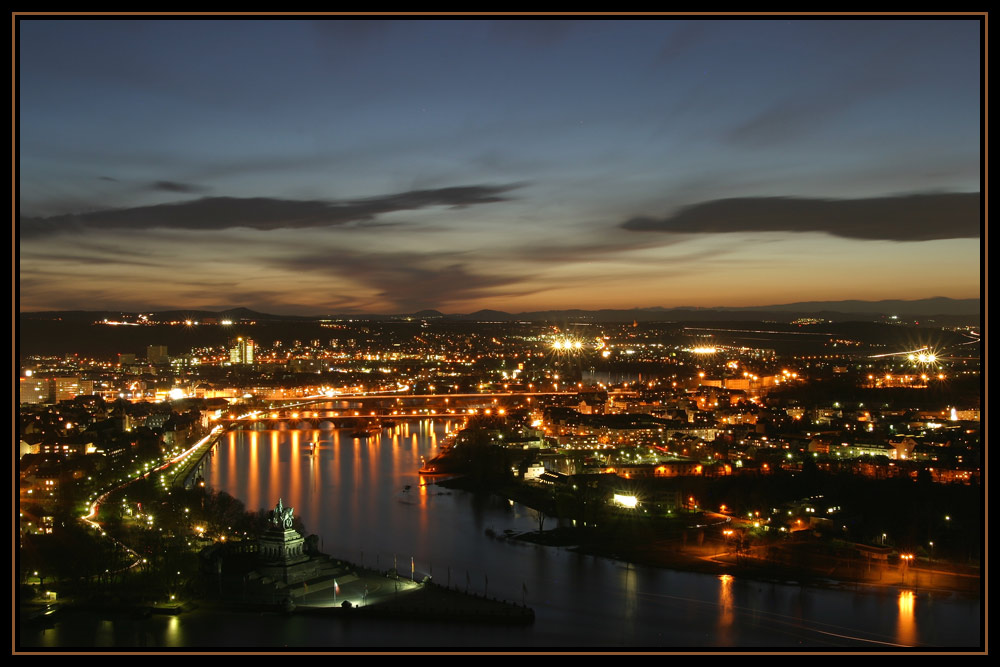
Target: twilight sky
338 166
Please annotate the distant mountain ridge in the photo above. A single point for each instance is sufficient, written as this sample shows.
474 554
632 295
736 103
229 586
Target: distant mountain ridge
936 306
234 314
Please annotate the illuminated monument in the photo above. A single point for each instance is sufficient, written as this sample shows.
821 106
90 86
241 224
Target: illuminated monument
281 550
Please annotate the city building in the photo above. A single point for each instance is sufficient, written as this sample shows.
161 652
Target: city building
242 352
34 390
67 388
157 354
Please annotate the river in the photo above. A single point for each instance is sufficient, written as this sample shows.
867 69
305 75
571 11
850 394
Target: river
364 497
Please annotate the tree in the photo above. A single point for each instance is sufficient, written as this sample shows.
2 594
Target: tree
540 517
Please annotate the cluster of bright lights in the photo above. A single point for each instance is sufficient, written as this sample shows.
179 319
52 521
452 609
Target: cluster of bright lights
704 350
623 500
923 357
567 344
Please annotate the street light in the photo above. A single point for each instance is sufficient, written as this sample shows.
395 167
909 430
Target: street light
904 561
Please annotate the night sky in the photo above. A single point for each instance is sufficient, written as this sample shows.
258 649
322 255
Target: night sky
338 166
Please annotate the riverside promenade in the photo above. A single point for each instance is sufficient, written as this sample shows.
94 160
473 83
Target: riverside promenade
344 590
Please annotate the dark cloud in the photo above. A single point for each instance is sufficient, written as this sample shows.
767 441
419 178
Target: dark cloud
107 178
115 250
215 213
69 258
406 281
923 217
266 301
171 186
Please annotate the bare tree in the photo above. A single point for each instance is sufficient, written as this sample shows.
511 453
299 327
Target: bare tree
540 517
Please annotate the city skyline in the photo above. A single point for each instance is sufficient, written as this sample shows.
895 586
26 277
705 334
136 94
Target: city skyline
338 166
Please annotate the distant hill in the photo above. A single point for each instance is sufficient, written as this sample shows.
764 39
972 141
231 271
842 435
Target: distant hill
234 314
941 307
938 305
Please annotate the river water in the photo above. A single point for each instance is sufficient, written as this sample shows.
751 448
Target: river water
366 500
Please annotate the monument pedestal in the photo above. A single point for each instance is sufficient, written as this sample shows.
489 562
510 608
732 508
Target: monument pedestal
280 551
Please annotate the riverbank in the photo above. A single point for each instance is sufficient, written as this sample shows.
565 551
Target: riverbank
799 565
431 602
690 545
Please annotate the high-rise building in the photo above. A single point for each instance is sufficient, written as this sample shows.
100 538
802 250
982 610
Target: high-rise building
66 388
34 390
242 351
156 354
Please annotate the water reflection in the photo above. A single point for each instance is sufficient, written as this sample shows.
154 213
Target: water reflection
907 629
105 634
725 608
173 634
631 597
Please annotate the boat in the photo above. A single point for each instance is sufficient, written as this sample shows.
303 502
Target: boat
439 466
444 462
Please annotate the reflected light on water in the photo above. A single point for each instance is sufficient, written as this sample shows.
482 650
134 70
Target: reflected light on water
253 486
725 606
173 634
277 489
105 634
631 594
214 469
907 625
296 470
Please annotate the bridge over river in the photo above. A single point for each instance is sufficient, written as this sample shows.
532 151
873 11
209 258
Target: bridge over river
366 410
